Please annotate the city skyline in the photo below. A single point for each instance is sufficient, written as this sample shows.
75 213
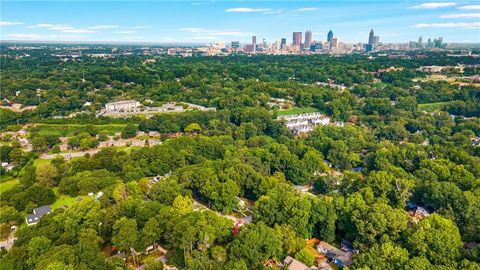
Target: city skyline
207 22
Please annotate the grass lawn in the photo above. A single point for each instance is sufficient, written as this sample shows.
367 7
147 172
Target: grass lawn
40 161
129 149
432 107
68 130
7 185
63 199
297 110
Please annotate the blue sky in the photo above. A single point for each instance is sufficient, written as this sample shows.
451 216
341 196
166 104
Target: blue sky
211 21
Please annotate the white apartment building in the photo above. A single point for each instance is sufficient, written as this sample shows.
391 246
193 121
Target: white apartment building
125 105
305 122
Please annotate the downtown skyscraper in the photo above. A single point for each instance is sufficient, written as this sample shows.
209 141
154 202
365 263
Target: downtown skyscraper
371 38
297 38
329 36
308 40
283 43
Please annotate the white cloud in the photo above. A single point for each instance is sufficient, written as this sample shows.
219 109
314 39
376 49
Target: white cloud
460 16
433 5
245 10
466 25
204 38
139 27
470 7
98 27
62 28
32 36
192 29
214 32
274 11
76 30
24 36
307 9
6 23
125 32
201 3
48 25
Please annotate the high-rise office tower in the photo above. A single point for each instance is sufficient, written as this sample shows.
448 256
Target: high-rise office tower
371 38
376 40
334 43
276 45
438 43
297 38
235 44
283 43
420 42
308 40
254 43
329 36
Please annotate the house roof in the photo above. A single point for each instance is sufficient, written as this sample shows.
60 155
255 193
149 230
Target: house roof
42 210
335 253
38 213
347 246
294 264
121 102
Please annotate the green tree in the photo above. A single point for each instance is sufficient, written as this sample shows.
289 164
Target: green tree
255 244
16 156
379 222
129 131
9 214
386 256
89 253
151 264
436 238
183 204
39 143
193 128
47 175
305 256
125 233
151 232
37 247
59 266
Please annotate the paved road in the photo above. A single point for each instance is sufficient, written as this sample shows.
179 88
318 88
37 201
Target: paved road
73 154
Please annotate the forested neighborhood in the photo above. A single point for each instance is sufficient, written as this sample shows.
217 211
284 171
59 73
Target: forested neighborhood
246 162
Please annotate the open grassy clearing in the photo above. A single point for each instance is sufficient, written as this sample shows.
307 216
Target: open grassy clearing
432 107
69 130
40 161
9 184
297 110
63 199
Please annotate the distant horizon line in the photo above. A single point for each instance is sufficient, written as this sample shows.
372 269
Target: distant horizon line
182 43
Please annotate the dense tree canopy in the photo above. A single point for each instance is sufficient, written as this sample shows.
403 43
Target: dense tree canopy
392 152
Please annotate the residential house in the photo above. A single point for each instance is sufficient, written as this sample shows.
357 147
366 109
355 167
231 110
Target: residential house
339 257
347 246
38 213
294 264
